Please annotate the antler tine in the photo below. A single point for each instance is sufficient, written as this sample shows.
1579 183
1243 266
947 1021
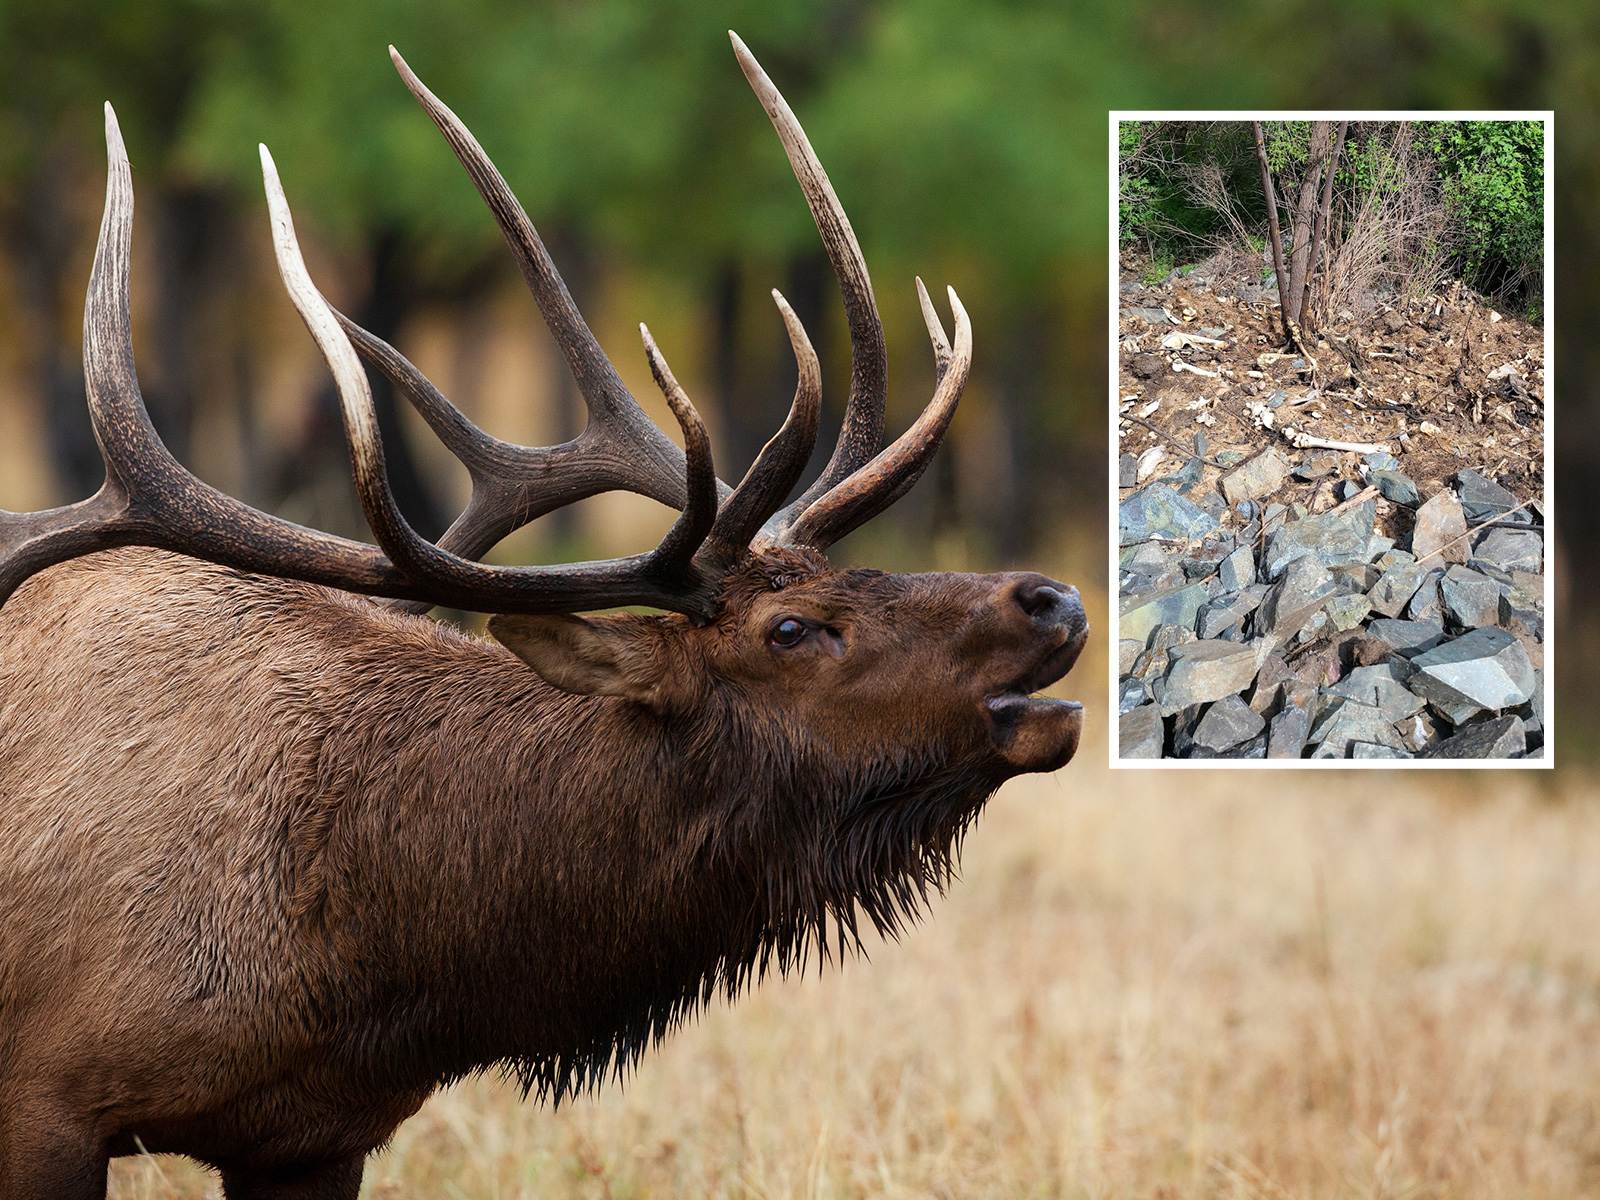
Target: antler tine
862 433
782 460
891 474
511 484
665 580
941 344
615 416
677 549
148 497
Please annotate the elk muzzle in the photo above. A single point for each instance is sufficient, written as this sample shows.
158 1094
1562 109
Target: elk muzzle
1046 617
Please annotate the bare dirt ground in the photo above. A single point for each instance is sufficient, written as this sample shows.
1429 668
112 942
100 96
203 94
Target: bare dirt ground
1416 375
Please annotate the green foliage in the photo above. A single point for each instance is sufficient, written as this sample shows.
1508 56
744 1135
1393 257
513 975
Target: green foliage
1493 179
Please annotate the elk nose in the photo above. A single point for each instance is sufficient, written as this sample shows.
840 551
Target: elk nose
1049 602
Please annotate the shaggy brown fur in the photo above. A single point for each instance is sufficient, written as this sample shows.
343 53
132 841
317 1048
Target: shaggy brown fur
276 862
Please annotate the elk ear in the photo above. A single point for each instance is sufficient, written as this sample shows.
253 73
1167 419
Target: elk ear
602 657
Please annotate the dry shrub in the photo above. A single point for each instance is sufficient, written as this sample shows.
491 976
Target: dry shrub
1206 984
1395 238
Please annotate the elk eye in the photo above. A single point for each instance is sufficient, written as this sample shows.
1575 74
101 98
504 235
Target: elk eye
788 632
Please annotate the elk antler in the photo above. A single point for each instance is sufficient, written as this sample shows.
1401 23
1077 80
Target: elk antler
514 484
858 482
150 499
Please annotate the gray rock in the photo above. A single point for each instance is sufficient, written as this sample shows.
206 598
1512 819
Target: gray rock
1395 488
1497 737
1395 588
1378 687
1406 637
1228 458
1522 605
1299 593
1334 539
1140 733
1256 747
1147 558
1357 579
1131 693
1312 629
1470 600
1381 460
1270 678
1150 316
1348 721
1345 489
1132 586
1439 523
1482 499
1260 476
1532 713
1425 605
1346 612
1206 670
1227 723
1225 618
1317 466
1487 668
1373 750
1378 546
1141 615
1511 550
1127 471
1287 736
1128 651
1153 662
1184 723
1158 511
1238 570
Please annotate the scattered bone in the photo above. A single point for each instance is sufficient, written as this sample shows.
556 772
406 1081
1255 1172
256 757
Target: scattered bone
1180 365
1183 341
1306 441
1149 463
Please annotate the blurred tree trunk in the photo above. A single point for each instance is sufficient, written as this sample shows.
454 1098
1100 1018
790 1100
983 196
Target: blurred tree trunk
752 366
195 237
41 232
574 257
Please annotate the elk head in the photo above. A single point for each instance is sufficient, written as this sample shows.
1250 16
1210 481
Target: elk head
946 660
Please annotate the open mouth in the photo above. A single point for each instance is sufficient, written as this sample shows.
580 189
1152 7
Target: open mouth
1053 666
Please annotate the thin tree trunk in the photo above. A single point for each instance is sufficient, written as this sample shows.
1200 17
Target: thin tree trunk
1305 210
1272 228
1319 235
41 232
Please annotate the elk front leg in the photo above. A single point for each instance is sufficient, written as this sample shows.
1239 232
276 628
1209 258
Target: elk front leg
340 1180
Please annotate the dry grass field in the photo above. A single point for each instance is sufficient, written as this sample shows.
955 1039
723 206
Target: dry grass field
1146 985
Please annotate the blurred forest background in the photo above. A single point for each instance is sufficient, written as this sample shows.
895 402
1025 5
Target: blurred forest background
968 142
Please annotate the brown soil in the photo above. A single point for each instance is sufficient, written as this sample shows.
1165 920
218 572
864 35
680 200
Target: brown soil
1413 375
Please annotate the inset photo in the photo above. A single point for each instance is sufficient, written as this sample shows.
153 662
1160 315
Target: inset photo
1332 438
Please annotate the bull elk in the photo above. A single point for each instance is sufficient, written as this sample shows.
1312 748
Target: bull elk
279 856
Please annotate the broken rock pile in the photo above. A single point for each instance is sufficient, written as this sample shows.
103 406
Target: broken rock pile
1300 635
